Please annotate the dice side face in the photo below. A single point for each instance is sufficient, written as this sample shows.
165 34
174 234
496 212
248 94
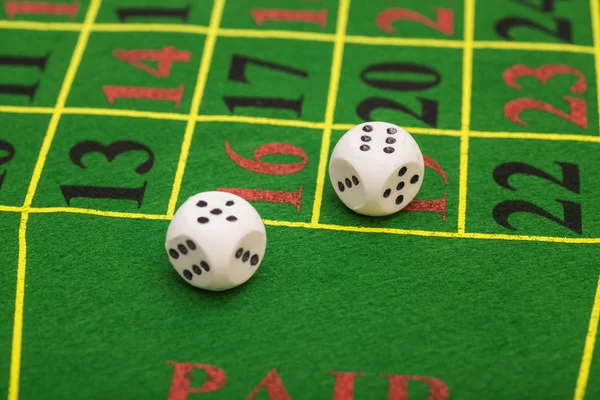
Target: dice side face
247 257
347 182
217 223
405 177
187 253
401 187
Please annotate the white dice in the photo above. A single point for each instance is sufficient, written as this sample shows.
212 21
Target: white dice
376 168
216 241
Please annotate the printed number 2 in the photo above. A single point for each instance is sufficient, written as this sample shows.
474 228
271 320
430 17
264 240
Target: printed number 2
570 181
443 23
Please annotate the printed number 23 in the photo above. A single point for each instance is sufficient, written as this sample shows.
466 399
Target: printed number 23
577 107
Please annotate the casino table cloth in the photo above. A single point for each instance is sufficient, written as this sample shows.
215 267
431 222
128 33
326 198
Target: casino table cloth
114 112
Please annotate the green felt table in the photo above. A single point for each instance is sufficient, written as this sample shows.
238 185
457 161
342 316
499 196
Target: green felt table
114 112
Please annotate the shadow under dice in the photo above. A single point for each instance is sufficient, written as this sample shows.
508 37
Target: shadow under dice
216 241
376 169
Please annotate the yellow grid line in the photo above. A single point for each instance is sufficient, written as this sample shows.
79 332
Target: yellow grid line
261 121
141 27
296 35
15 363
455 235
411 129
41 26
26 110
275 34
334 82
309 225
535 136
533 46
11 209
466 112
408 42
588 349
209 47
108 112
101 213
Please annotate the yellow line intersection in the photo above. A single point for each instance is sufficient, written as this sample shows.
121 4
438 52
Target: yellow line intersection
332 96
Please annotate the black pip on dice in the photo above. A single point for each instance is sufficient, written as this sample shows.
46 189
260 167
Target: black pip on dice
376 168
216 241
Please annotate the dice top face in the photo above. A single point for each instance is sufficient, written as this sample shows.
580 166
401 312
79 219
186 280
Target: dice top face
216 240
376 168
378 141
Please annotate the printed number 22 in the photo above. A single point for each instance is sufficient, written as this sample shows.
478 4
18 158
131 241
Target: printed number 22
570 181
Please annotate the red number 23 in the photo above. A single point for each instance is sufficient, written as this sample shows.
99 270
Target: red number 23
577 107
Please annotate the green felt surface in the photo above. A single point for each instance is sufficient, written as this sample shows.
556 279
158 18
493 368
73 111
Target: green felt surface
489 313
498 320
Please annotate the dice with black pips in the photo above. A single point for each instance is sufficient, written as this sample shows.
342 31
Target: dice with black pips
216 241
376 168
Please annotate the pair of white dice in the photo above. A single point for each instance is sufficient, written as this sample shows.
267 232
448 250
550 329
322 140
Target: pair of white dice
217 240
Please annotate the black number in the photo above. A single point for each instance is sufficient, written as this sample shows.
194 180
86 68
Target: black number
22 61
103 192
429 107
7 148
20 90
571 213
157 12
539 5
264 102
238 73
428 114
110 152
572 218
562 30
570 175
25 61
399 85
